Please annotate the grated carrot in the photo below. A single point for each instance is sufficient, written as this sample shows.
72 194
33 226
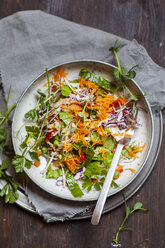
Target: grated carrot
132 170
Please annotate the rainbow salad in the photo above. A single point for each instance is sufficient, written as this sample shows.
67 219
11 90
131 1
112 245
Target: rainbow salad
75 126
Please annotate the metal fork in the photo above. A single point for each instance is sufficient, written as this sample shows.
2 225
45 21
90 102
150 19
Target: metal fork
103 195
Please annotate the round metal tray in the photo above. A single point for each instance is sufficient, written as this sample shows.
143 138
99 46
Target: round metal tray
117 199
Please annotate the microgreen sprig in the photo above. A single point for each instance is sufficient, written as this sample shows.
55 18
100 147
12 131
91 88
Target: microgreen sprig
81 115
7 112
9 191
120 74
129 211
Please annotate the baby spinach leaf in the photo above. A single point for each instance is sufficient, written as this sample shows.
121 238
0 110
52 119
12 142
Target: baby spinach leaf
65 117
100 81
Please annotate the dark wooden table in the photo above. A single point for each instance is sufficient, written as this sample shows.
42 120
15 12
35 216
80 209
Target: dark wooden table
145 21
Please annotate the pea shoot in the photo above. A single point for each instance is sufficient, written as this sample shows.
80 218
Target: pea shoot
137 206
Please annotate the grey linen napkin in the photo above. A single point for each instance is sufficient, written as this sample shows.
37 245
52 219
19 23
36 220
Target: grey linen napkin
31 40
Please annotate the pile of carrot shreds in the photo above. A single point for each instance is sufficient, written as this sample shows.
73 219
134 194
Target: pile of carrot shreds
72 128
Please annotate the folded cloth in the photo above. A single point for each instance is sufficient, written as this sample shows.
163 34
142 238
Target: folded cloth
32 40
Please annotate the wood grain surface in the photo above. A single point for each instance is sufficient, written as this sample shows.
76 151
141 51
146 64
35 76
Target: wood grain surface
145 21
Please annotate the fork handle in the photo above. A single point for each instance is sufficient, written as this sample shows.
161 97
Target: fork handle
103 195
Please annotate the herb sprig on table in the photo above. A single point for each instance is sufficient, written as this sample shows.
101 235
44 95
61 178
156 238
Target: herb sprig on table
129 211
9 191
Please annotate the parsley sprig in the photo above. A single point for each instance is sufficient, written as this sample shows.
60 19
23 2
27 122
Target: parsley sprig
137 206
9 191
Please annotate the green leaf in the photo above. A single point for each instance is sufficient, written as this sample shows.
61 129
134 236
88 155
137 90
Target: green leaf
125 153
95 136
41 93
65 117
114 185
53 173
107 130
34 156
81 114
123 71
73 186
138 205
93 169
109 143
8 149
114 48
4 190
23 145
100 81
9 122
66 90
32 114
131 74
32 129
14 185
116 175
134 98
87 184
11 197
19 162
128 211
89 152
116 75
3 135
5 164
97 186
